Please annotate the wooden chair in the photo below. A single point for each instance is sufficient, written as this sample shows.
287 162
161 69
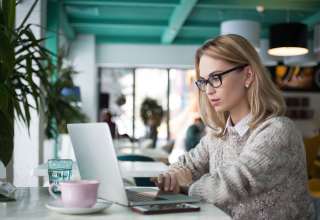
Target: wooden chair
312 146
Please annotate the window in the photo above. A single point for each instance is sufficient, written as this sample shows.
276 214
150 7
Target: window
173 89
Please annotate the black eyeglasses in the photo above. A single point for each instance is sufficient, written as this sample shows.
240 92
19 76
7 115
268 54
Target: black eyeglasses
215 79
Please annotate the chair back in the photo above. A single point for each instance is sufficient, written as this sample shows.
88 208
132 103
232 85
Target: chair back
312 146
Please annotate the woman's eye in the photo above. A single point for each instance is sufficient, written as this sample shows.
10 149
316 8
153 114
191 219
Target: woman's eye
214 78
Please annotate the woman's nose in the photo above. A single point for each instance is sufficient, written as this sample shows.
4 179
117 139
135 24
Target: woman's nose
210 90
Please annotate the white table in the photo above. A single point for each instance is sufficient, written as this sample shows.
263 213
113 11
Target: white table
31 205
128 169
142 169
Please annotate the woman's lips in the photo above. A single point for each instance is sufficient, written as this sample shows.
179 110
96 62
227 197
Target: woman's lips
215 102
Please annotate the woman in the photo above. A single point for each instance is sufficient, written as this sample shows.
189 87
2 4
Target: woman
252 163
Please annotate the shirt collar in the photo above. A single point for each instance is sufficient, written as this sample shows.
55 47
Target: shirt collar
241 127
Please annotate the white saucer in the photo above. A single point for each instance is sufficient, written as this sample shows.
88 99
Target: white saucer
58 207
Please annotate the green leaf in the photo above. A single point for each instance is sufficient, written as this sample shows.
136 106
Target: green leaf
18 110
4 98
6 137
9 8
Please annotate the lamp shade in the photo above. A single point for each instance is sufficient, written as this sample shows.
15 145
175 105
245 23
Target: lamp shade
305 60
245 28
288 39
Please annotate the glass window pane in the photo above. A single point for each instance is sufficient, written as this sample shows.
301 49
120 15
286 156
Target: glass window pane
183 101
118 83
151 83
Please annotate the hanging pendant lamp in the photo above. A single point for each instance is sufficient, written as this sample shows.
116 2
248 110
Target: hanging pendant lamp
305 60
245 28
288 39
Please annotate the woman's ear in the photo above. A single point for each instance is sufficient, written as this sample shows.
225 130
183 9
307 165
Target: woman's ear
249 76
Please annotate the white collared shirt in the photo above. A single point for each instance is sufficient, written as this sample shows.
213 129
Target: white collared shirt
241 127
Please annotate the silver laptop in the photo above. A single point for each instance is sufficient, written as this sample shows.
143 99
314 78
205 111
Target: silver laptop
96 158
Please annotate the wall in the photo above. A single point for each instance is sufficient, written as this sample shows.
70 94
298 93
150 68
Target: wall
83 58
129 55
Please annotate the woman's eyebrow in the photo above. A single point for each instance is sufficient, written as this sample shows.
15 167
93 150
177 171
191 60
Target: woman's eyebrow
211 73
215 73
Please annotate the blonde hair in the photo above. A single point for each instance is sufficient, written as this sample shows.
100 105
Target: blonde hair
264 98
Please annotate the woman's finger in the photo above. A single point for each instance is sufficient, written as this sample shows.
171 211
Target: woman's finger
173 181
160 181
167 181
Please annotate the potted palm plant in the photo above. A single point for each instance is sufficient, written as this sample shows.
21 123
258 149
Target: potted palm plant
24 65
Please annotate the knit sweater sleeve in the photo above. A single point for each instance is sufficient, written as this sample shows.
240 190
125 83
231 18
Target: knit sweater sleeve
196 160
265 161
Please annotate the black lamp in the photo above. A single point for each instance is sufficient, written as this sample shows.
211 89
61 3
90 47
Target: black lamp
288 39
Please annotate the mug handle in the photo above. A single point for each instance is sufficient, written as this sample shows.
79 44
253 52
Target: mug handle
51 186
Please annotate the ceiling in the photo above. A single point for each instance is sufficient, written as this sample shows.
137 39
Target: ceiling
176 21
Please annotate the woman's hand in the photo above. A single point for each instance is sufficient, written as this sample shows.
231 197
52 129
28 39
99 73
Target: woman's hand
173 180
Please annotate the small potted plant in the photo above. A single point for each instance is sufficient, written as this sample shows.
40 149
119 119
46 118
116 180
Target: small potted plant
151 113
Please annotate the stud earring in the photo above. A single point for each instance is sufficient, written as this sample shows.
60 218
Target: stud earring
247 85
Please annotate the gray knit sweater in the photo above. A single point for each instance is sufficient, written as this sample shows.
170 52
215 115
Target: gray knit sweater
257 175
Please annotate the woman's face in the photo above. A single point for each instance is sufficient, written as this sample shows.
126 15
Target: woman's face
232 92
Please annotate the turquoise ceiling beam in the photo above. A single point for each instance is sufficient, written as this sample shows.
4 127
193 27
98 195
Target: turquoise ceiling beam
136 3
268 4
179 16
142 22
140 25
67 28
126 39
119 12
198 31
146 40
313 19
118 29
119 26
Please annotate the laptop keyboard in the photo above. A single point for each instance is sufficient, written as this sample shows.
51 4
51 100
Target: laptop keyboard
140 197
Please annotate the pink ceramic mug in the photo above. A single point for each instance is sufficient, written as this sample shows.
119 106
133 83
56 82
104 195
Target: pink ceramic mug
77 194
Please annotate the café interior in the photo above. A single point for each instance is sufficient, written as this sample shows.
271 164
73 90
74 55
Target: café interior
130 64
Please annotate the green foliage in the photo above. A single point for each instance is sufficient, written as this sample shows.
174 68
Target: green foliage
23 64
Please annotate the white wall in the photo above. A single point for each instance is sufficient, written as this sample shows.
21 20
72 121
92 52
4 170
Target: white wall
83 58
129 55
26 148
